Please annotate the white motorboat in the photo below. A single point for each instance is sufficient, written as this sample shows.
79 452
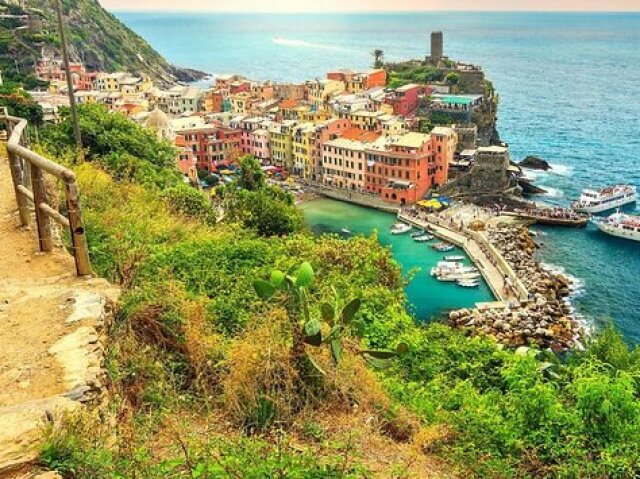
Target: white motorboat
451 277
609 198
423 238
620 225
454 258
417 234
446 267
346 231
468 283
400 228
443 247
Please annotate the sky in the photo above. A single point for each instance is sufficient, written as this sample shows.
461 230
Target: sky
301 6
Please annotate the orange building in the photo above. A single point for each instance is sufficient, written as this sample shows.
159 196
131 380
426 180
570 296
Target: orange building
358 82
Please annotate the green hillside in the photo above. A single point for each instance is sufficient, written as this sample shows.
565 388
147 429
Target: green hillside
96 37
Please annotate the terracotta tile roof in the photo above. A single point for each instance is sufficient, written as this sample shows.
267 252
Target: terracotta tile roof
290 103
356 134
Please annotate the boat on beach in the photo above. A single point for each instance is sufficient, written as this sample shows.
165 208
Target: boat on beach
620 225
605 199
400 228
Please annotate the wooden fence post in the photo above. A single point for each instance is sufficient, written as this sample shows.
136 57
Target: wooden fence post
17 177
78 239
42 220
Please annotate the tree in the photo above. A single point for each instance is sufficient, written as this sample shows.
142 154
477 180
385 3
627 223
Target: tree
251 176
19 103
452 78
378 58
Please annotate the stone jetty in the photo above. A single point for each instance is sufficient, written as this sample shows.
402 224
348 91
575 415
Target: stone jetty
545 318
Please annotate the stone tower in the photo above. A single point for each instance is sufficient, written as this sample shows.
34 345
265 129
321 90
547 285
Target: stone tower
437 46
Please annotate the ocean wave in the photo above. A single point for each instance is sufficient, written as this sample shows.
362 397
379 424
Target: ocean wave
288 42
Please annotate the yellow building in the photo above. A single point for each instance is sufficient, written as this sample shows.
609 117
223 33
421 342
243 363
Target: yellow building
281 143
240 103
320 91
363 119
303 144
109 81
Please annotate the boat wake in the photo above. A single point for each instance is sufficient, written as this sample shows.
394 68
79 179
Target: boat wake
287 42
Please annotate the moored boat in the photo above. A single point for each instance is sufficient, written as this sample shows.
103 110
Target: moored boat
417 234
468 283
400 228
454 277
609 198
620 225
443 247
423 238
454 258
552 217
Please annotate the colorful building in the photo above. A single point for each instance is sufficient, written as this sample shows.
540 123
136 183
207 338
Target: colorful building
405 100
281 143
319 92
209 146
355 82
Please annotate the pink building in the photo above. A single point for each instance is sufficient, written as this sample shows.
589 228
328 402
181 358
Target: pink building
260 144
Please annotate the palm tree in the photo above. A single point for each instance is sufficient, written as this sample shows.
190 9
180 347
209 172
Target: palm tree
378 57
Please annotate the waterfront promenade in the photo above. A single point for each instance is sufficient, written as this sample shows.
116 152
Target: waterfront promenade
502 280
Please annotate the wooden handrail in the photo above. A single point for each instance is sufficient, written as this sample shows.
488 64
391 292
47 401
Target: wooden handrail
27 173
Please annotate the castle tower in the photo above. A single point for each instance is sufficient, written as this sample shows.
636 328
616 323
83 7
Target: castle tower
437 47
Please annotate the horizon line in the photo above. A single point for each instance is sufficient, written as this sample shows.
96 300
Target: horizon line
372 12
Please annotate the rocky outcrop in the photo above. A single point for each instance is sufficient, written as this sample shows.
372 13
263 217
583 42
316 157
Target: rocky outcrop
534 163
545 319
490 181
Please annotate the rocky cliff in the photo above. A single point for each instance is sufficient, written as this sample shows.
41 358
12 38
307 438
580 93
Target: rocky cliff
96 37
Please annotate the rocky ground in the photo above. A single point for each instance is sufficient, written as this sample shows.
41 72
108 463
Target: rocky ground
51 337
545 319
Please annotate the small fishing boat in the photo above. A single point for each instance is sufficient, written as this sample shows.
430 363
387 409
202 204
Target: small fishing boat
417 234
447 267
400 228
423 238
454 258
454 277
443 247
346 231
468 283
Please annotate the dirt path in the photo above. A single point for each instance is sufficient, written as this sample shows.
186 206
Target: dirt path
50 357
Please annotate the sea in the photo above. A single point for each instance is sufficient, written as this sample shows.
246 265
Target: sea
569 87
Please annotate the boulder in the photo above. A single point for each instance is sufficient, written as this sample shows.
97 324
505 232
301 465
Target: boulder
535 163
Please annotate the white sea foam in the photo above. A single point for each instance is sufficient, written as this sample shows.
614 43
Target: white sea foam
560 170
288 42
552 192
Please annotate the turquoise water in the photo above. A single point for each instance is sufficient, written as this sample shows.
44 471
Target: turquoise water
429 297
568 86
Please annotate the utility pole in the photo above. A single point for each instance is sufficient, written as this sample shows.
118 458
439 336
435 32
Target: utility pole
72 98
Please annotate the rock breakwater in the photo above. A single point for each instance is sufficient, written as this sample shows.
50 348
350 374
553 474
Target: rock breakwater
545 319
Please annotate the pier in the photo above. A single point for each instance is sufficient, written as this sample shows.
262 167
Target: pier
499 275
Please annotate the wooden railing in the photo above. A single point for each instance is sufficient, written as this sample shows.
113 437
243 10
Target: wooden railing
27 173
